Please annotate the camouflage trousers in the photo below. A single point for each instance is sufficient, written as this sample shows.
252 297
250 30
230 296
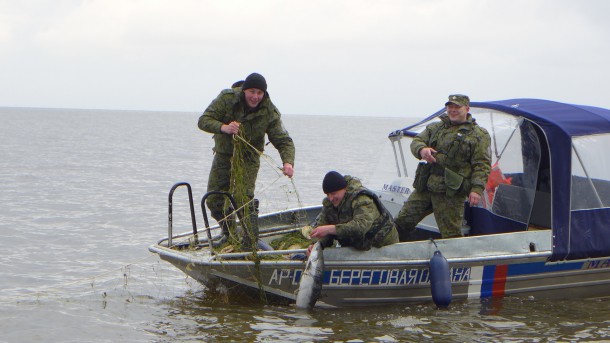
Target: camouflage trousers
220 180
448 212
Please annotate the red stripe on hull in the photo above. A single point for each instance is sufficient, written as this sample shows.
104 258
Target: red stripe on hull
499 281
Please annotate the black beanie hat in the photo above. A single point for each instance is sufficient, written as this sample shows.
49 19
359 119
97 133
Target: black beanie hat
255 80
333 182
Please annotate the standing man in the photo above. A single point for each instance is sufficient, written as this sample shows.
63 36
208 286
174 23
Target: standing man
353 215
246 110
457 158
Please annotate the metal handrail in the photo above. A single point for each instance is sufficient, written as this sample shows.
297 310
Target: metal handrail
170 211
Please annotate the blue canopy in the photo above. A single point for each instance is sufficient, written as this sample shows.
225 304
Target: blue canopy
576 234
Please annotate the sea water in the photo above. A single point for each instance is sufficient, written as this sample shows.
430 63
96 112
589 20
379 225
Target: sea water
85 192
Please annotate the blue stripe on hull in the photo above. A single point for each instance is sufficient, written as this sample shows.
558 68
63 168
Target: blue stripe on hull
488 281
541 267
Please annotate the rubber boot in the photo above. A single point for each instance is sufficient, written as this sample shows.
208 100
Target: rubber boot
250 234
225 221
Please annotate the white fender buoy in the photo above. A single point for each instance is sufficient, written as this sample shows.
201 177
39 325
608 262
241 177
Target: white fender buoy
310 286
440 280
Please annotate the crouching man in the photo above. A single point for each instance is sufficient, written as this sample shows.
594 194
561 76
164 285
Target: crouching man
352 215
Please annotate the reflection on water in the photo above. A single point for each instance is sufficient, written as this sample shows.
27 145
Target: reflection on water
512 319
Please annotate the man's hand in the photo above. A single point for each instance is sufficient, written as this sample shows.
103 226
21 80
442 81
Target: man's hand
230 129
474 199
427 154
309 248
323 231
288 169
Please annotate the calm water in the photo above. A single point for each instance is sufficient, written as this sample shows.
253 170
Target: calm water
84 193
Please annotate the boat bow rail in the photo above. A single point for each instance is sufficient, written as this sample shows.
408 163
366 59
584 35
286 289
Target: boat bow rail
170 210
170 235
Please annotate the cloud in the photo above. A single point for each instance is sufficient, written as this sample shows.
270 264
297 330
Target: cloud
386 57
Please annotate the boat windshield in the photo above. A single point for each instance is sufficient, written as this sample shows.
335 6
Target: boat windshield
590 172
517 165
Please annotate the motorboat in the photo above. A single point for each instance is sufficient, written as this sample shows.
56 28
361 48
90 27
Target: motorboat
542 231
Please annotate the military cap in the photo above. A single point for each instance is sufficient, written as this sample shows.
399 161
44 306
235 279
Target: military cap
458 99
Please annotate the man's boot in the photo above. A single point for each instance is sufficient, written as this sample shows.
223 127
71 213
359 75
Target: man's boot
250 234
225 221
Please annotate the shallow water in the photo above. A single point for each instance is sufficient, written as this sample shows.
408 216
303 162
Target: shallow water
84 193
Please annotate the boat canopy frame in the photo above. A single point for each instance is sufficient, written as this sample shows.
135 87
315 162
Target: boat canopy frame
578 230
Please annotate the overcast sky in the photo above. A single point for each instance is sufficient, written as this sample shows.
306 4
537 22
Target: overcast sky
346 57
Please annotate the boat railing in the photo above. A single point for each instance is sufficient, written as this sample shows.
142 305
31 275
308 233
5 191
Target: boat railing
170 211
243 254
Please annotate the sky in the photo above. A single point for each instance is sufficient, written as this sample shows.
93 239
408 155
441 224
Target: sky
320 57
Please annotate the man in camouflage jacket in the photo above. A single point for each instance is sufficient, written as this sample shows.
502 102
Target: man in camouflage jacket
245 107
458 156
353 215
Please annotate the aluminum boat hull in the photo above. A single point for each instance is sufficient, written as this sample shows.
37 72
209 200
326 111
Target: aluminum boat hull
508 264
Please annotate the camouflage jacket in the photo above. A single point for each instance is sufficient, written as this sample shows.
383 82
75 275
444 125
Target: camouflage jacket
463 148
360 219
230 106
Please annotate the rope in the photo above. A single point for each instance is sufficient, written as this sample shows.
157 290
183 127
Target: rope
40 291
267 158
274 166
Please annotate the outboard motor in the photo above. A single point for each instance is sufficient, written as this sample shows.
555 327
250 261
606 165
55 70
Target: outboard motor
440 280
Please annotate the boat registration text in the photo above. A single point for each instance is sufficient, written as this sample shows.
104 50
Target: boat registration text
368 277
